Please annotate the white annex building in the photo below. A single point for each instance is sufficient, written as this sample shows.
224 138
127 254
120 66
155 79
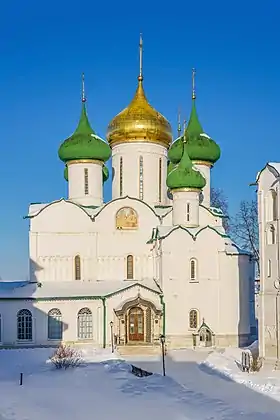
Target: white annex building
154 260
268 182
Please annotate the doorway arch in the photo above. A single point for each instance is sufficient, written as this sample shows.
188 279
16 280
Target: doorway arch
136 324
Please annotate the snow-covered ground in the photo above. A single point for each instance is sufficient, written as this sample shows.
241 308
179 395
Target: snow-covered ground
99 390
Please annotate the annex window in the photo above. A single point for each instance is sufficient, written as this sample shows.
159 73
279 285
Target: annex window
160 180
129 267
86 181
193 269
274 205
141 177
188 212
54 324
193 319
271 239
268 268
121 176
24 325
77 267
85 324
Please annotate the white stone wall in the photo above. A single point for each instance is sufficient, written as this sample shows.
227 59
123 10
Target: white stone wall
185 208
76 183
151 154
69 310
269 300
220 292
55 240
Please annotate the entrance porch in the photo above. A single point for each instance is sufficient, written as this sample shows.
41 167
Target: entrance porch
137 322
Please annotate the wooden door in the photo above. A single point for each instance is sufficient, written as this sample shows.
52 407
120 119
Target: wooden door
136 324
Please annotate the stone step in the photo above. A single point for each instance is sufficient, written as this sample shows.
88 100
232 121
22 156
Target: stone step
138 350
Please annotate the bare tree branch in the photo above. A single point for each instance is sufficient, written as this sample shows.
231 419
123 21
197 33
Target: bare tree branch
244 228
220 201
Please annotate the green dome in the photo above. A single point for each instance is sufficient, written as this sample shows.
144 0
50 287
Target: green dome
66 173
105 173
199 145
184 175
170 167
84 143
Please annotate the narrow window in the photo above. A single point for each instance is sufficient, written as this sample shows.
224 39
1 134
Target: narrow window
86 181
121 176
188 212
0 329
274 205
193 270
24 325
159 179
77 267
85 324
141 177
54 324
269 268
129 267
272 235
193 319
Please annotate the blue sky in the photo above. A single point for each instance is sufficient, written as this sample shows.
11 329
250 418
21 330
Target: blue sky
46 46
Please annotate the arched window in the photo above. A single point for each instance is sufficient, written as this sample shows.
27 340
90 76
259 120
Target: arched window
188 212
193 269
85 324
86 181
193 319
24 325
271 235
129 267
268 268
141 177
159 179
274 205
54 324
121 176
77 267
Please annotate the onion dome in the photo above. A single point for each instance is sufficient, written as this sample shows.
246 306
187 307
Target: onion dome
139 122
200 146
84 142
105 173
183 175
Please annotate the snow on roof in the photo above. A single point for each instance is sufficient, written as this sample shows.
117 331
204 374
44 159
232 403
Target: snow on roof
66 289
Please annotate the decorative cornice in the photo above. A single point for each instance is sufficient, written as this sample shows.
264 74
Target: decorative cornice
202 163
75 298
76 161
194 236
175 190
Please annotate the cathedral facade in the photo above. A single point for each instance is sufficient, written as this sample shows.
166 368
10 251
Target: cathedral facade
155 260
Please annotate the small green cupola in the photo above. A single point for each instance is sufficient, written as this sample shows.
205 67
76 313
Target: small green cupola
84 142
200 146
183 175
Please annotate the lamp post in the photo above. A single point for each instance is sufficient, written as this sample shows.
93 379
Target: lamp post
162 341
112 336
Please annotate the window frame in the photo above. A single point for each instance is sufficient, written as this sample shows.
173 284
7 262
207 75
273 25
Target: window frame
58 319
84 324
26 323
77 267
86 183
193 269
130 267
194 312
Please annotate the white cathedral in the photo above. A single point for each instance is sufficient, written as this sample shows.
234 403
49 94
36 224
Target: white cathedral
155 260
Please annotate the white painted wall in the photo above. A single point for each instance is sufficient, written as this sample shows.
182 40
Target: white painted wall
185 208
76 183
151 154
269 298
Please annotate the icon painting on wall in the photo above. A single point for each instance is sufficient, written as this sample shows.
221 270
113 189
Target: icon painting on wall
126 218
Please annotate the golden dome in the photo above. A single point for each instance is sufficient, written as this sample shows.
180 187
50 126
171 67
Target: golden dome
139 122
